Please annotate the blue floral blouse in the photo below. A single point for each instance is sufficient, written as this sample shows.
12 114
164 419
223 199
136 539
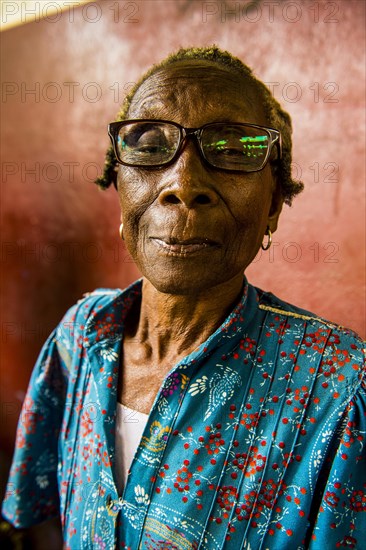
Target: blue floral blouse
256 440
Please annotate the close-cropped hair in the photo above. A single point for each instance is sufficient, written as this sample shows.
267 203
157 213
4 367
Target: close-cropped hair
276 116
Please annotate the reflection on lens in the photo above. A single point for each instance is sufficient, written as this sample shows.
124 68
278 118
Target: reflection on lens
227 147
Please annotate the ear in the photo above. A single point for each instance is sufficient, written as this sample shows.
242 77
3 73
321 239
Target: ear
275 210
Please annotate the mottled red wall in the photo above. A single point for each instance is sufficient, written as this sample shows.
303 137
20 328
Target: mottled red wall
60 233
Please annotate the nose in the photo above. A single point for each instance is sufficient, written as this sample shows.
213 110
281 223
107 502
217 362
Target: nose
188 181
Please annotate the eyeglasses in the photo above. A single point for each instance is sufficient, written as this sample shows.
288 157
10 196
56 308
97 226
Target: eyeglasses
229 146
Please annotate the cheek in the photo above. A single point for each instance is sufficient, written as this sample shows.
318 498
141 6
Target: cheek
134 198
250 207
136 194
250 200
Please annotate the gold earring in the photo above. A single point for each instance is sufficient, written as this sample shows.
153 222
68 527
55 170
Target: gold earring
121 232
269 240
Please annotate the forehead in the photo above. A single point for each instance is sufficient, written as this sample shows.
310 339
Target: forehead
198 90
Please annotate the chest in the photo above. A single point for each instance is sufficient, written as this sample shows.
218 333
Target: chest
232 436
140 381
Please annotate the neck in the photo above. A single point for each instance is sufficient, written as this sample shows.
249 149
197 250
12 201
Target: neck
168 327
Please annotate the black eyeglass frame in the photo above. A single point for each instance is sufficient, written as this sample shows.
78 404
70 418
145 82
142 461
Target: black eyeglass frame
184 133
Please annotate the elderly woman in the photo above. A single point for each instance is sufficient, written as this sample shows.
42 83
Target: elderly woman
193 410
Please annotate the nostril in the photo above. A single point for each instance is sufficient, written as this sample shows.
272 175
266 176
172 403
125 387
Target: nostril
171 199
189 198
202 199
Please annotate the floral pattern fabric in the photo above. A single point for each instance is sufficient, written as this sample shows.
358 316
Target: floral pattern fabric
256 440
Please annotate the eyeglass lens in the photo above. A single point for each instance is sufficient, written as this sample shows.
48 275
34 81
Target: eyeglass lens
229 146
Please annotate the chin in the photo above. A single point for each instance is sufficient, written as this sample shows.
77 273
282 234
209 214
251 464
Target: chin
175 285
177 290
185 284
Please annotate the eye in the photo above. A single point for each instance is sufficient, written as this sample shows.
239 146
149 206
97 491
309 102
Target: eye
147 143
225 148
144 138
231 150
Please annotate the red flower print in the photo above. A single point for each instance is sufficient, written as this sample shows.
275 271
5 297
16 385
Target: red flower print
347 542
215 441
106 326
331 499
341 357
248 345
251 462
358 501
255 503
227 498
29 418
86 424
245 509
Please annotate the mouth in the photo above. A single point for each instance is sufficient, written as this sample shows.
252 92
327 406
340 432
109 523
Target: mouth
183 247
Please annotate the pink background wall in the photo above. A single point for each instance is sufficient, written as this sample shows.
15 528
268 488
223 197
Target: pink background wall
60 233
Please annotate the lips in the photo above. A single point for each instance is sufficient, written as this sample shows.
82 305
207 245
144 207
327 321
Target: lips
182 247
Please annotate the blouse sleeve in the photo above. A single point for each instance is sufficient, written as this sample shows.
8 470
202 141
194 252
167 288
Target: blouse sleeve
341 520
32 491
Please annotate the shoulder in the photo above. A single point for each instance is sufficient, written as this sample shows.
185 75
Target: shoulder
92 303
335 345
76 318
277 307
96 314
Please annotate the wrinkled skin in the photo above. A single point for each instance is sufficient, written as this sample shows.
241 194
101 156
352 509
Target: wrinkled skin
189 200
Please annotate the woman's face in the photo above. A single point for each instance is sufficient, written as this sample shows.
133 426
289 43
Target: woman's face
190 227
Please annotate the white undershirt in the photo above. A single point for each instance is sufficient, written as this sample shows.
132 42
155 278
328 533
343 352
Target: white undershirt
130 425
